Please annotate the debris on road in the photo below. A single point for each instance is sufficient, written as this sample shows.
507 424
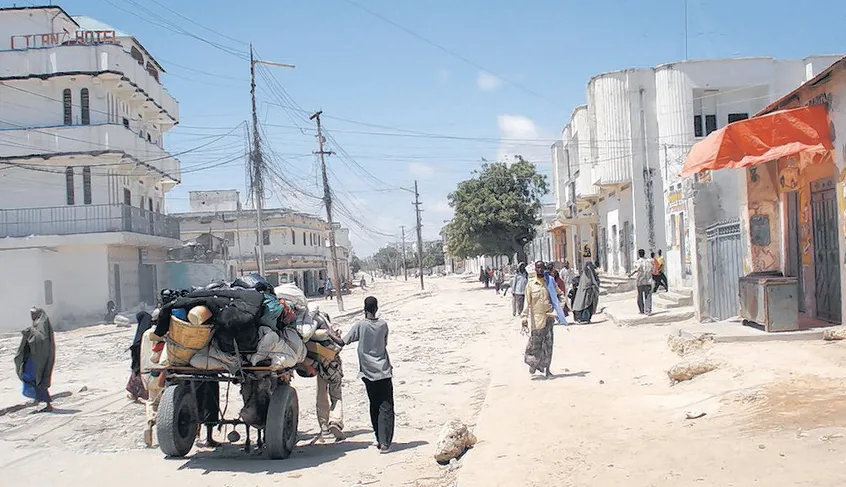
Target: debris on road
835 333
685 343
453 440
690 368
694 414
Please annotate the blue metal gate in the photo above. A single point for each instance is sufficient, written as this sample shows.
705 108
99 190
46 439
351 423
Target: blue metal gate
826 250
725 256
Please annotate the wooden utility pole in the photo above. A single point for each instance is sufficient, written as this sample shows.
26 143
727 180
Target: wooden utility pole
257 172
327 200
418 210
404 260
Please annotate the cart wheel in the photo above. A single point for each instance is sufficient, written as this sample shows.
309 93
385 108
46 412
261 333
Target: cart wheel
176 423
283 414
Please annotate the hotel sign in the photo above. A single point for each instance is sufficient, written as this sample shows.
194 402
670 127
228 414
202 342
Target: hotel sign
29 41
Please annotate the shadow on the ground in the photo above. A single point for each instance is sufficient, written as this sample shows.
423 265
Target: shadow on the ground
566 375
231 458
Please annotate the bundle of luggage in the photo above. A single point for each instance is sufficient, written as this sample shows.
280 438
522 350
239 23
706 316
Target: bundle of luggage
246 322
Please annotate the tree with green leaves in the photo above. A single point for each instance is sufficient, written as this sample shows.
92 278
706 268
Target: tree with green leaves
496 211
355 264
433 254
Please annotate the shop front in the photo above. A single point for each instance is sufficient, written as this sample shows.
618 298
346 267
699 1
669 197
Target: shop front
793 194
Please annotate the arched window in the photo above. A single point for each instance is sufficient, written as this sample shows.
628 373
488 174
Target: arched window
69 185
67 106
84 105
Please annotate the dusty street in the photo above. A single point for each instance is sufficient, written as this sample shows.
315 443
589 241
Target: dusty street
774 414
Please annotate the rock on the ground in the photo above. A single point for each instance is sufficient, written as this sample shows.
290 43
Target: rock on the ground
690 368
684 343
121 321
836 333
453 440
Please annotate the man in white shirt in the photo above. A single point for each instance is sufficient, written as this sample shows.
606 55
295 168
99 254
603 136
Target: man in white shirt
643 269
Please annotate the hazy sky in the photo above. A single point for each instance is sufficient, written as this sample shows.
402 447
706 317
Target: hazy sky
417 89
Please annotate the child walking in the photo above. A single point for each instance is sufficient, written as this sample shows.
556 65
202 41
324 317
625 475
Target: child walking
376 371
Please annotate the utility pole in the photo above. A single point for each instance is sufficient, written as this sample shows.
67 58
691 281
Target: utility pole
419 232
404 260
327 200
257 172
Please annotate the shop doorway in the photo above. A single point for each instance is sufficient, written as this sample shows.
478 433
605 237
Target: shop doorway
793 266
826 250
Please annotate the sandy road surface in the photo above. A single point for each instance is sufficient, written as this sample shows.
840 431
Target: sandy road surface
775 414
442 346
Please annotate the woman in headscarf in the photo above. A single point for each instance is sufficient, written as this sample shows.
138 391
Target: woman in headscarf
135 386
35 359
587 295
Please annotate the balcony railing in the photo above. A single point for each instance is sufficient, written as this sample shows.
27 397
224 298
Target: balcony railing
70 220
89 138
86 59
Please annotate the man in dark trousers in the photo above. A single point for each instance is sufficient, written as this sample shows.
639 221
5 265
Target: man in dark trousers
376 371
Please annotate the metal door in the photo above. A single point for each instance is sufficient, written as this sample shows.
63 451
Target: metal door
826 251
725 256
116 271
615 248
147 283
793 267
601 246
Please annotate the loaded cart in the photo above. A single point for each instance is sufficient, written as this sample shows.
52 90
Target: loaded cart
182 408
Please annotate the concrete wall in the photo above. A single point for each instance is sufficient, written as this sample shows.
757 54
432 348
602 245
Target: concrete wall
77 276
221 200
614 210
183 275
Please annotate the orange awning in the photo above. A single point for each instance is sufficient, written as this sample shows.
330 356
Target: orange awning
762 139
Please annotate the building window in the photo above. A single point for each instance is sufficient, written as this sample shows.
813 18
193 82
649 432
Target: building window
710 124
736 117
86 185
265 237
304 239
293 237
69 184
48 292
149 138
230 238
697 125
153 71
84 105
67 106
136 55
126 123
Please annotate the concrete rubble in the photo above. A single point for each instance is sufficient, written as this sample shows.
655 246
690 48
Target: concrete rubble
453 440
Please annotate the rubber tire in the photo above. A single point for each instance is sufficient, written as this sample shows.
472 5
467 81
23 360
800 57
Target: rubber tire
283 414
177 402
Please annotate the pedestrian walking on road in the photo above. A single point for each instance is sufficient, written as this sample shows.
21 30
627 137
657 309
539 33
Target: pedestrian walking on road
660 278
135 386
518 289
35 359
538 320
375 371
499 278
643 269
330 402
328 289
586 298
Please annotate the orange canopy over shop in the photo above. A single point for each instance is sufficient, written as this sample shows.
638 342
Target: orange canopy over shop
762 139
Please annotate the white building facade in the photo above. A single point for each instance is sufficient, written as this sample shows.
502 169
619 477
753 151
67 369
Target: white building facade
626 147
295 244
83 170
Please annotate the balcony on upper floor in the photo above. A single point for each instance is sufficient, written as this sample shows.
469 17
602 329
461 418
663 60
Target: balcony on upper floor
88 219
108 63
91 140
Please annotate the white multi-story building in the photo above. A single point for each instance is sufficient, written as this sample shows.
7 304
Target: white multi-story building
295 244
626 147
343 248
83 171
